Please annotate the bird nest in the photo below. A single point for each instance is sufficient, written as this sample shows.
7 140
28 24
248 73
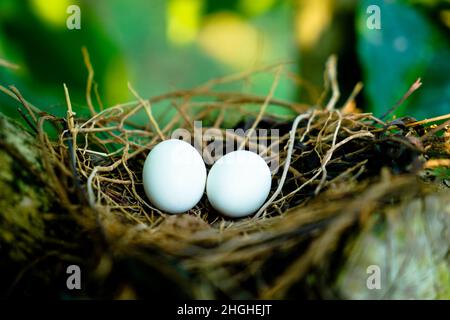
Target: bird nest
337 169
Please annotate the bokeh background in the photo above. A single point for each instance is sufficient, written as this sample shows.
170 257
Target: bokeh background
160 46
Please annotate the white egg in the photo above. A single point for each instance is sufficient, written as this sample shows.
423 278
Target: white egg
238 183
174 176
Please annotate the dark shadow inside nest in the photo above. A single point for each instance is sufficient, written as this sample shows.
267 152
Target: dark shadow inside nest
357 160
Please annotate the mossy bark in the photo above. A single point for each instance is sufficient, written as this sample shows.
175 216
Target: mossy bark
407 248
36 239
24 199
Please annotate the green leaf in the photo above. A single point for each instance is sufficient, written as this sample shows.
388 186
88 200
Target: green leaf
407 46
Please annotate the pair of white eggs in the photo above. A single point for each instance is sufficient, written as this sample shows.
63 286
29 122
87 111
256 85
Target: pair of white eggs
175 177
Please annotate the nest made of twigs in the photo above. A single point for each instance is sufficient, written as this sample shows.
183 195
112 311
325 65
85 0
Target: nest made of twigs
336 167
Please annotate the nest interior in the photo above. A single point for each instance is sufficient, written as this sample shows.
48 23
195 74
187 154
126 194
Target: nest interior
339 172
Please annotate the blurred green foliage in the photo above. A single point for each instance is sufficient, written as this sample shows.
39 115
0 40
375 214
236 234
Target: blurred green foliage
408 46
162 45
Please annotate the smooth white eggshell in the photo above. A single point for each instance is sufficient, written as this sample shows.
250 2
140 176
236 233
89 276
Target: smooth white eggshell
238 183
174 176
